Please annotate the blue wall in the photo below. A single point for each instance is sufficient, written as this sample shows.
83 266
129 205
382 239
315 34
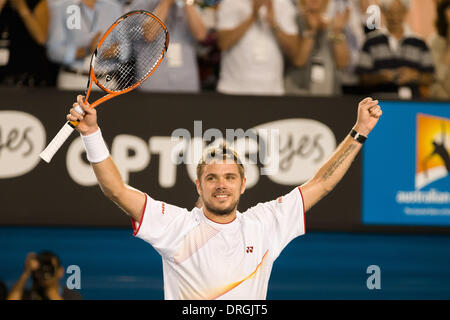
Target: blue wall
114 265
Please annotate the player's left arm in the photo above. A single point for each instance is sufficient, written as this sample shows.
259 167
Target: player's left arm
329 174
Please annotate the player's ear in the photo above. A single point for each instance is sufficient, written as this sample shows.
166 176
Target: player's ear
197 184
244 183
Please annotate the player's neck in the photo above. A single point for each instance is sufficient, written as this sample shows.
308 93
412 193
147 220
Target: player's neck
222 219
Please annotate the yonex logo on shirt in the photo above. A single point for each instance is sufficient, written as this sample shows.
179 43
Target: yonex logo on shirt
249 249
163 207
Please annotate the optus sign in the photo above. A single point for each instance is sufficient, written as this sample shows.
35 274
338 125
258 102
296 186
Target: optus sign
287 151
22 138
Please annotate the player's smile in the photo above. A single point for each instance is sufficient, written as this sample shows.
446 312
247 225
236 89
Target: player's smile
222 195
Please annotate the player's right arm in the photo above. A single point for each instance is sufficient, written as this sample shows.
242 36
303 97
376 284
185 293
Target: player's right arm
130 200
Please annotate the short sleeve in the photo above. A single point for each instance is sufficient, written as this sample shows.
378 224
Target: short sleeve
283 219
162 225
286 15
231 13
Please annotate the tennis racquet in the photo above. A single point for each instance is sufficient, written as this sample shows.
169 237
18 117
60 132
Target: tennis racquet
127 54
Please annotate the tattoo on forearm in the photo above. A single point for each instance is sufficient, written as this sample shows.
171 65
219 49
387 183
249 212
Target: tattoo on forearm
337 163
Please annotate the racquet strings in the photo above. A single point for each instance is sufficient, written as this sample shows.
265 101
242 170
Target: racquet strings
130 52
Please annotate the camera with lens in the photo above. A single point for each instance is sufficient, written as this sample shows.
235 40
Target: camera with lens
46 269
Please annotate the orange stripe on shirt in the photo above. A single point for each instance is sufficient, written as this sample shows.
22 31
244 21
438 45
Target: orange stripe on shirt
231 286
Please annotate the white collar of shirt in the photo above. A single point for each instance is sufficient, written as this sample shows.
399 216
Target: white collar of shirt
221 226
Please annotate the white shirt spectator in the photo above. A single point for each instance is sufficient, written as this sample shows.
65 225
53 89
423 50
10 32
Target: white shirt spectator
255 64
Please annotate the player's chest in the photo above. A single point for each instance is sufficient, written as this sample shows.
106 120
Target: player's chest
228 255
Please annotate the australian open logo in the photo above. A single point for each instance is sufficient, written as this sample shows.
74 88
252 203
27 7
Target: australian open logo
432 150
432 167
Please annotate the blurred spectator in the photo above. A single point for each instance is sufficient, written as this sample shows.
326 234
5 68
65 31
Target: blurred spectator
394 60
72 44
322 49
365 22
252 35
126 5
23 33
178 71
3 291
46 271
359 25
440 49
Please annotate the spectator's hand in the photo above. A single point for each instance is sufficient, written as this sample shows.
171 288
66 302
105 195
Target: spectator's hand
369 112
110 52
270 14
31 263
95 41
407 75
257 4
340 20
19 5
387 75
314 21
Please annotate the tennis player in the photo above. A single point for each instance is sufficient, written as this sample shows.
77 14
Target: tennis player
216 252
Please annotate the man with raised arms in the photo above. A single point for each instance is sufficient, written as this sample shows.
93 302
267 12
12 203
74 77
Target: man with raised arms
217 252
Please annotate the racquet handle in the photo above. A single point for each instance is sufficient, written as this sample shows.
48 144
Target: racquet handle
57 142
60 138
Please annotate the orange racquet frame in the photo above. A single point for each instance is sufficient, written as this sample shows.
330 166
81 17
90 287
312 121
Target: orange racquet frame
69 127
112 94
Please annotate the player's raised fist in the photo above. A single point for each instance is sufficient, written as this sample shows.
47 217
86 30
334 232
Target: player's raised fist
368 114
86 116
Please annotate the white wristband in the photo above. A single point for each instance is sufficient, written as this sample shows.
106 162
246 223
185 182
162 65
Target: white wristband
96 149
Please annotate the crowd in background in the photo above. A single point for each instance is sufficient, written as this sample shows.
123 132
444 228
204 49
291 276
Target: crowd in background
250 47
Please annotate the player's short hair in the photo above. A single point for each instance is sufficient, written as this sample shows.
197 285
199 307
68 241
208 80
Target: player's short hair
219 153
384 4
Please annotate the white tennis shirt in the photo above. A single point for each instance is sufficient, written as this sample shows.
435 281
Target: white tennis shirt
207 260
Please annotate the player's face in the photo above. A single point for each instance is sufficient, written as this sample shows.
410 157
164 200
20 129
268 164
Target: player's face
220 187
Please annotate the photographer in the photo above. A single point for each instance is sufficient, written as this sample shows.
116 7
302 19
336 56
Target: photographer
45 270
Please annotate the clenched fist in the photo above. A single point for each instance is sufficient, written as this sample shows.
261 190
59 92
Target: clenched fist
369 112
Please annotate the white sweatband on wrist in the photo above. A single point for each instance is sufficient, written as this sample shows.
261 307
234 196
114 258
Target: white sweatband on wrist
96 149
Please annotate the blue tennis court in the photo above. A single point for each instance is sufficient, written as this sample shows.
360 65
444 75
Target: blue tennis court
114 265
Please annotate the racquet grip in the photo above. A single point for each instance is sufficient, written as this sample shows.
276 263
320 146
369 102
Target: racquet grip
57 142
